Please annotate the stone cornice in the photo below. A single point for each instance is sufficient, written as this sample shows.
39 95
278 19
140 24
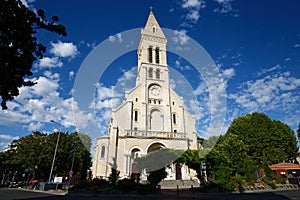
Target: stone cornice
154 39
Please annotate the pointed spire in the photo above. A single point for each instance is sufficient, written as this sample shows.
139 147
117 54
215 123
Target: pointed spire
152 27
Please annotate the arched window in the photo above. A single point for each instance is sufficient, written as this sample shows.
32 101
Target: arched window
157 73
153 29
135 115
102 151
156 120
157 55
135 152
150 54
150 72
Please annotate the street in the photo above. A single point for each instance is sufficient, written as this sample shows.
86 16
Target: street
10 194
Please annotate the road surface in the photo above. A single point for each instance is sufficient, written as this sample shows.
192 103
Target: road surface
12 194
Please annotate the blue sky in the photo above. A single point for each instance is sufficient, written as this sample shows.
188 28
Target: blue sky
255 44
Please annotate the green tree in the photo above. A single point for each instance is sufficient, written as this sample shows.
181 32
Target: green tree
156 176
210 142
192 159
252 142
114 176
266 139
225 160
233 149
19 45
34 153
30 154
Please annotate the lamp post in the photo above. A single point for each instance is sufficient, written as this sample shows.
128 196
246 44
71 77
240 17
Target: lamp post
71 170
53 160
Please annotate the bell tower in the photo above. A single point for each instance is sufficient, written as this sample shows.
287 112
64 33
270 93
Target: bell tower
153 79
151 50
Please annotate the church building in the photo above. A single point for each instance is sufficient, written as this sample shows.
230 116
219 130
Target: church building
152 116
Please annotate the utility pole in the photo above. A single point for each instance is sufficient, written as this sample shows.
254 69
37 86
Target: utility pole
55 151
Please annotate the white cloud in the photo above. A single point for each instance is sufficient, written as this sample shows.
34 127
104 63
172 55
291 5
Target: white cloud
225 6
172 83
178 66
109 98
5 140
297 45
50 62
64 49
197 108
27 3
127 77
45 87
193 15
273 92
104 93
268 70
191 4
116 38
34 126
193 8
287 59
201 89
180 37
42 103
228 73
88 44
71 74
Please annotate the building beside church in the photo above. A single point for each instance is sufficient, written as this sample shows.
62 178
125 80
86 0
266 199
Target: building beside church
151 117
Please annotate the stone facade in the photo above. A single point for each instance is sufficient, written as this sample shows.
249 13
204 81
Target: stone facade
152 116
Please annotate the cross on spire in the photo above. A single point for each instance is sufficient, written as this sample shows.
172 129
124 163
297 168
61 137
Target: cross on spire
151 8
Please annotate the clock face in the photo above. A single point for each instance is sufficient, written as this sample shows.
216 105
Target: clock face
155 90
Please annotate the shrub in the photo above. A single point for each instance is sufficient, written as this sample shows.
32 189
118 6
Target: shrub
272 185
145 189
156 176
93 185
126 185
79 186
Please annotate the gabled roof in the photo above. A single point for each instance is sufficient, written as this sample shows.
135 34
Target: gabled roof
286 166
152 27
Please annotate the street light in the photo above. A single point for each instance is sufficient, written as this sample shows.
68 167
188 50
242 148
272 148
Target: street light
53 160
71 171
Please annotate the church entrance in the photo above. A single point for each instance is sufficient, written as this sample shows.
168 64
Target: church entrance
155 147
178 171
134 168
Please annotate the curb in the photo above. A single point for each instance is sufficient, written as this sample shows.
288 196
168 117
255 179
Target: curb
54 192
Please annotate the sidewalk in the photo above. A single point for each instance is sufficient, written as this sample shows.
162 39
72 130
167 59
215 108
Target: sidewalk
54 192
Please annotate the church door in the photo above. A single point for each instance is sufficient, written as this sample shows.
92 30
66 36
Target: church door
178 171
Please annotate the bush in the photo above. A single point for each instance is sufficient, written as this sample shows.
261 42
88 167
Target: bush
110 189
145 189
79 186
279 180
156 176
98 182
93 185
127 185
272 185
